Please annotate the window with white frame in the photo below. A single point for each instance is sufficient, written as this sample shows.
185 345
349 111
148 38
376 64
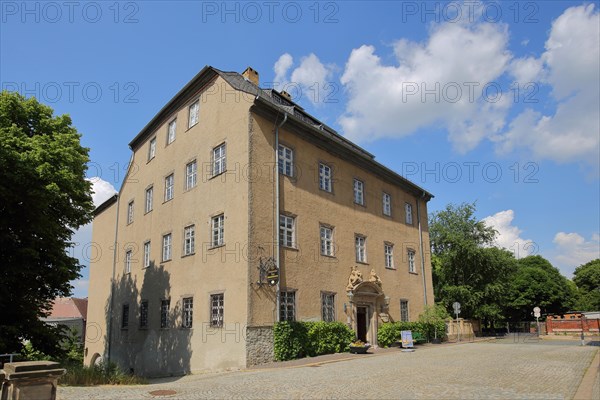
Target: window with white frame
128 256
404 310
287 306
287 231
325 177
387 204
130 212
286 160
408 212
360 244
326 241
164 313
187 319
149 199
125 317
144 314
191 169
359 192
216 310
189 240
171 131
219 158
167 247
193 114
411 261
218 230
328 307
388 250
147 254
169 187
151 149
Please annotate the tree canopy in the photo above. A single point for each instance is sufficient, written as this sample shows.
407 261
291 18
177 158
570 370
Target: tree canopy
489 282
587 279
44 197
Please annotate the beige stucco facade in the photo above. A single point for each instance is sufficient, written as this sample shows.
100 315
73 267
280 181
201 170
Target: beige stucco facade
236 113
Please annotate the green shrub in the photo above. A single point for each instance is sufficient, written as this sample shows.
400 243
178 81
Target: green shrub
329 337
391 332
300 339
433 321
290 340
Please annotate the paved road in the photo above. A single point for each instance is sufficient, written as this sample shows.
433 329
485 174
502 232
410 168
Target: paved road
466 371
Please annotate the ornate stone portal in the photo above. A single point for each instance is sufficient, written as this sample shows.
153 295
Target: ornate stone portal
367 301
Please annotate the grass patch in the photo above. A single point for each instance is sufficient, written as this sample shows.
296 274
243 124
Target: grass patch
110 374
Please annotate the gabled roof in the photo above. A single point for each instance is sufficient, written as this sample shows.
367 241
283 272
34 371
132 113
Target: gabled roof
273 101
69 307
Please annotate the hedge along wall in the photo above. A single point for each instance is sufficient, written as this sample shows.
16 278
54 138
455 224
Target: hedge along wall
300 339
390 332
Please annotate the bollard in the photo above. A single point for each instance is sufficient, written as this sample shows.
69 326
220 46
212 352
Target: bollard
30 380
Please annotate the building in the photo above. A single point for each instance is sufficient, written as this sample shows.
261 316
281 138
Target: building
186 276
573 323
70 312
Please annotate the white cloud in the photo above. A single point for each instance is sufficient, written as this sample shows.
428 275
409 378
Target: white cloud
456 62
509 235
526 70
571 63
309 80
101 190
573 250
281 68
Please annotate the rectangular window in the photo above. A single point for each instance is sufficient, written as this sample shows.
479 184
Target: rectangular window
189 240
147 254
188 313
411 261
387 204
388 250
169 185
408 211
286 160
287 306
218 230
164 313
216 310
327 307
219 158
360 244
144 314
190 175
404 310
151 149
128 255
125 317
287 234
325 177
149 196
167 246
193 114
171 131
326 241
130 212
359 192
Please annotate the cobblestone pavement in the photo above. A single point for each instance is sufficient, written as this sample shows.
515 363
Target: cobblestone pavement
466 371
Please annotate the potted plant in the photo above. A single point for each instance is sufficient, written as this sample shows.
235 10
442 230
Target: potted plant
359 347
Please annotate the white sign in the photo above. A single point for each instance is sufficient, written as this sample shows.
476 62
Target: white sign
536 312
456 306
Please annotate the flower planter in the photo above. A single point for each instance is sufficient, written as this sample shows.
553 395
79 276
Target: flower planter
359 349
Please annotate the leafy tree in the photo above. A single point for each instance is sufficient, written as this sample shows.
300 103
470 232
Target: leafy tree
44 197
587 279
465 266
537 283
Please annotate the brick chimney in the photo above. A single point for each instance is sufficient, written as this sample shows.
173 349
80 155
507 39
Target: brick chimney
251 75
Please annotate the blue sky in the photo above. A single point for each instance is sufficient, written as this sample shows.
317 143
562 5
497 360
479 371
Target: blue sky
491 102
